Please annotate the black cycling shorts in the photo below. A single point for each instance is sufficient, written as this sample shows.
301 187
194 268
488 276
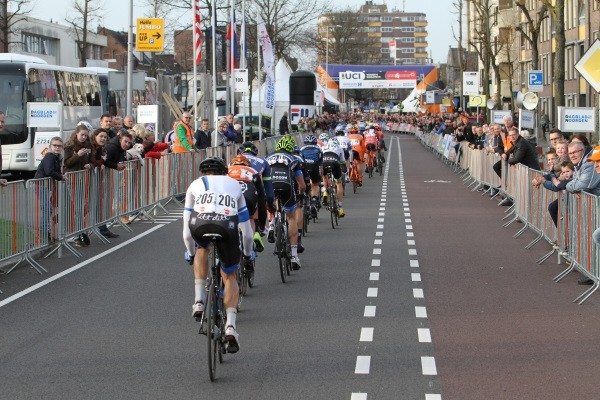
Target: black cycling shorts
250 195
356 156
314 173
370 146
228 248
331 162
284 187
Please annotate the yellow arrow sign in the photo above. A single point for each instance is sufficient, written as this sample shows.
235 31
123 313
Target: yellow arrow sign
477 101
589 66
150 34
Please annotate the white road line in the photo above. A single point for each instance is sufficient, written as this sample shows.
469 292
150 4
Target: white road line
366 334
407 214
381 208
363 365
74 268
382 214
418 293
428 366
428 396
414 263
408 220
372 292
377 241
415 277
362 396
380 219
420 312
375 262
410 234
412 252
376 251
370 311
409 227
374 276
424 335
380 227
410 242
406 209
378 233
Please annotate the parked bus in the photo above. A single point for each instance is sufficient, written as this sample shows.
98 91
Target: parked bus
26 79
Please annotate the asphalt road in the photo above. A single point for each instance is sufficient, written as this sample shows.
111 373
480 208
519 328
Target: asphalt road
418 294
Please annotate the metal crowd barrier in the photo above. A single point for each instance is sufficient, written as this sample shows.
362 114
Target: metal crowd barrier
577 213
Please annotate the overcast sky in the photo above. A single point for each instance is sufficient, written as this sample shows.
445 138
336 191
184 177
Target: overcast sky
438 12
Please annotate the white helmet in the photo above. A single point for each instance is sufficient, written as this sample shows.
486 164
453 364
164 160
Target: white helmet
87 125
323 136
332 145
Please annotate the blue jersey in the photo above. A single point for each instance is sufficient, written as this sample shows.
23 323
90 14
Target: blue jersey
312 154
282 160
264 170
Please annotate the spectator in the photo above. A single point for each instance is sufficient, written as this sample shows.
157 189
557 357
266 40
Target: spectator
3 182
98 139
544 122
230 133
549 168
106 124
238 133
581 138
595 158
555 136
284 124
183 139
139 132
170 136
527 135
116 154
521 152
152 149
221 133
128 123
117 124
203 135
49 167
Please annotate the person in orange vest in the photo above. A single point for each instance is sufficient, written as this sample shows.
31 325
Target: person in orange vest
184 135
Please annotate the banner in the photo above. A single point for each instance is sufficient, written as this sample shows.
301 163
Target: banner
268 105
301 111
576 119
498 116
470 83
378 80
44 115
526 119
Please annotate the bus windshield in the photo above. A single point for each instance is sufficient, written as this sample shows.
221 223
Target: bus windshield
13 104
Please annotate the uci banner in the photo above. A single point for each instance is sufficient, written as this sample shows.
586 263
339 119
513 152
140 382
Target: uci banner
378 80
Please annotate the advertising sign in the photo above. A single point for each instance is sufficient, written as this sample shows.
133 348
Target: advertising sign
470 83
526 119
498 116
240 83
576 119
378 80
150 34
301 111
44 115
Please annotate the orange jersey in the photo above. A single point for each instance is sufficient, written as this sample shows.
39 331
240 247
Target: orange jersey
370 137
358 143
241 173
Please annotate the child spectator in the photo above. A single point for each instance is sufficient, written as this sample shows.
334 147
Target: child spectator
152 149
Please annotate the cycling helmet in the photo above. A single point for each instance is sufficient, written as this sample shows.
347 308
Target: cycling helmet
87 125
286 143
248 147
213 164
240 160
310 139
323 136
340 132
332 144
353 129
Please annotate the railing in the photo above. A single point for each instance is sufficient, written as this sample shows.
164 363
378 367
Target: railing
578 217
43 214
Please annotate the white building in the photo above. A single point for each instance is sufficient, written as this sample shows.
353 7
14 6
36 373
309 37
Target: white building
55 43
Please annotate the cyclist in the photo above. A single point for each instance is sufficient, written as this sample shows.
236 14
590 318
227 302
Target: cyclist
381 149
214 203
286 174
252 188
323 138
313 158
345 144
370 143
333 159
250 151
358 150
299 209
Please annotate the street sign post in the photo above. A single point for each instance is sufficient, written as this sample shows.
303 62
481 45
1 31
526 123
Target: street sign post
470 83
150 34
240 83
535 81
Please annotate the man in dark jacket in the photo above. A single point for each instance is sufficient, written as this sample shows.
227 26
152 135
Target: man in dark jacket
283 124
522 151
203 135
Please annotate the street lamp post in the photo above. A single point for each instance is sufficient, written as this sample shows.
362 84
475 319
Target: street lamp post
327 56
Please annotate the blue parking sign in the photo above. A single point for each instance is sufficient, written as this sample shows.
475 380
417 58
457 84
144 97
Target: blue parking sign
535 81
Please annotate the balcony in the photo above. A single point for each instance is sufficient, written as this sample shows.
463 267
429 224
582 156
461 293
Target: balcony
421 34
374 34
421 23
421 55
374 23
420 44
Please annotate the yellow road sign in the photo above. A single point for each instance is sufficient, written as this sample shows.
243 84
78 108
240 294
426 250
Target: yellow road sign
150 34
477 101
589 66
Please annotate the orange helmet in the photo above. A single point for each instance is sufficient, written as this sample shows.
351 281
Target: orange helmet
353 130
240 159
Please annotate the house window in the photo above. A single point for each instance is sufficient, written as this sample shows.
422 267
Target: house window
39 44
386 19
386 29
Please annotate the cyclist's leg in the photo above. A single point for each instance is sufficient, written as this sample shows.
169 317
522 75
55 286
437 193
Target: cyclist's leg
298 217
229 255
200 274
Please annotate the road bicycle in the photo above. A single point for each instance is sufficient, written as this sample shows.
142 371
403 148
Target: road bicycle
213 317
244 276
332 204
354 176
283 247
380 161
371 163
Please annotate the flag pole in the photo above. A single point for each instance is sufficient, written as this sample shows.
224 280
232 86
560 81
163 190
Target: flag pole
194 57
243 65
260 134
214 70
232 57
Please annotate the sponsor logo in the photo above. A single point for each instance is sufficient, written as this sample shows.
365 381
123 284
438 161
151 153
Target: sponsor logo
352 75
578 118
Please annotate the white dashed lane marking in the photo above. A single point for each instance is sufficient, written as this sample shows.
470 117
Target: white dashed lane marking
366 334
414 263
428 366
361 396
418 293
372 292
370 311
420 312
363 365
374 276
424 335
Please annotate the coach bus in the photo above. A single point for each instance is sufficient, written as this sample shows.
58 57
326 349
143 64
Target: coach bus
26 79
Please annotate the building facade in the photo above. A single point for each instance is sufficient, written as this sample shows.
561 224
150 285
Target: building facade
376 27
55 43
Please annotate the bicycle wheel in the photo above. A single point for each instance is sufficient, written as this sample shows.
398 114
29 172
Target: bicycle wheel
370 166
380 163
212 334
306 216
280 246
332 207
250 276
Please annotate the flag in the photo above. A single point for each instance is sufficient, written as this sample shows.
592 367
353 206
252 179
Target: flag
233 43
197 33
268 105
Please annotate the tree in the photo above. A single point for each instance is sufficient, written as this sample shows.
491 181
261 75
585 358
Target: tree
12 12
85 12
532 34
462 60
558 78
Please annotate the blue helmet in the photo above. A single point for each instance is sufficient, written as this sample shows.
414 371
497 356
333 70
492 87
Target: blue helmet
296 149
310 139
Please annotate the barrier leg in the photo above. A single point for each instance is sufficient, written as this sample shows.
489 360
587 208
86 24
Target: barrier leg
523 229
66 245
570 268
547 256
118 222
476 187
516 217
100 236
534 241
34 264
584 296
